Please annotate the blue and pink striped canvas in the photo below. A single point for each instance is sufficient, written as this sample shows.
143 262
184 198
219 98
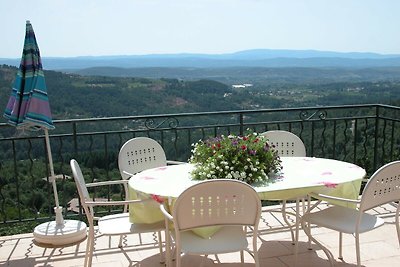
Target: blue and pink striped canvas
28 106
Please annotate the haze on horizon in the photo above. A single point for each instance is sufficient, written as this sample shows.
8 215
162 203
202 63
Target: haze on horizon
69 28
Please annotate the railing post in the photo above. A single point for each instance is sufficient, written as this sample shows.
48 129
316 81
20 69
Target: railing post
241 123
16 180
377 115
74 134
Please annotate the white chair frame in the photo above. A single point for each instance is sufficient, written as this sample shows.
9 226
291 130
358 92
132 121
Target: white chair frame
288 145
383 187
139 154
111 225
229 204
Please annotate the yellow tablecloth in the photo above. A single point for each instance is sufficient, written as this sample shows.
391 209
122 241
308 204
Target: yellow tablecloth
299 176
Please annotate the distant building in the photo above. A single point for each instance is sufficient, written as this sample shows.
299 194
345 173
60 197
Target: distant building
242 85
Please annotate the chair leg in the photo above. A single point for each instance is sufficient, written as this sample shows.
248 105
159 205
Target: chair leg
162 259
89 248
296 253
287 222
255 251
168 255
216 258
307 229
340 245
397 222
178 259
358 249
297 221
120 241
304 212
88 241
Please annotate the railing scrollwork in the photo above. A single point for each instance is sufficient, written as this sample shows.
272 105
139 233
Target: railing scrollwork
151 124
306 115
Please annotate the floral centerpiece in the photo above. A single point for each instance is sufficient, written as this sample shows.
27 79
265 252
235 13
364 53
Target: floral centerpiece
247 158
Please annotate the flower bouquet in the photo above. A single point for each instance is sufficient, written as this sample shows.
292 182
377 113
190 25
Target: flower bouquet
246 158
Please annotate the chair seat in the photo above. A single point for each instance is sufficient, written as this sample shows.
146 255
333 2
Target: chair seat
227 239
343 219
118 224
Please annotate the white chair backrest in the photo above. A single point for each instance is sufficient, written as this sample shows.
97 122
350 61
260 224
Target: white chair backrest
81 186
217 202
286 143
138 154
383 187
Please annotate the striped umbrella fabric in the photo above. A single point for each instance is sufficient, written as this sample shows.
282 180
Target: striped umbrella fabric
28 106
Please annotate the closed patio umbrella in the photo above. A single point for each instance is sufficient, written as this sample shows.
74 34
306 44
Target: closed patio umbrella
28 108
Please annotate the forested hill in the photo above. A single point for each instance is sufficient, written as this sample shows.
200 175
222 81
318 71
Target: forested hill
74 96
257 75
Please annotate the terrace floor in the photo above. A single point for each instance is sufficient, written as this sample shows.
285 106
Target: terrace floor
378 248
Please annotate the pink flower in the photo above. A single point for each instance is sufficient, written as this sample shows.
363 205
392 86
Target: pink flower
330 184
157 198
147 178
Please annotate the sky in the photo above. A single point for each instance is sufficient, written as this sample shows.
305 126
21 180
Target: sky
69 28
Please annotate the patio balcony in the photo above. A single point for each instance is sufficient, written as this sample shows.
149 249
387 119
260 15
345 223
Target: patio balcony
367 135
378 248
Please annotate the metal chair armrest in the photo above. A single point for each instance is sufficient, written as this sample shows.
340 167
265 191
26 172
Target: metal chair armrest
107 183
117 203
328 197
174 162
165 212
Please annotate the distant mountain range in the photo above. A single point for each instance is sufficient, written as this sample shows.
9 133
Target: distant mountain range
248 58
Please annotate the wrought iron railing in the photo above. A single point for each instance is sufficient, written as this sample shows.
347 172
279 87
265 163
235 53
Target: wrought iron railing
368 135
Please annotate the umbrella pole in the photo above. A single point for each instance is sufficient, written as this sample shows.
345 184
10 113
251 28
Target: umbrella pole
57 208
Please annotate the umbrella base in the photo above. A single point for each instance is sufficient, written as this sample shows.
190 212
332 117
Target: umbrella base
53 234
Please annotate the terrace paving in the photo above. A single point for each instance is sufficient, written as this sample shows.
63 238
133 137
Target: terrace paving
378 248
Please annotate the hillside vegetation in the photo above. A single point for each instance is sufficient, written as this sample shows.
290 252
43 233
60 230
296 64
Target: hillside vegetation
75 96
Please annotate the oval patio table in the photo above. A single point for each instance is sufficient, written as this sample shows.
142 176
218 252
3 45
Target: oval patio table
298 177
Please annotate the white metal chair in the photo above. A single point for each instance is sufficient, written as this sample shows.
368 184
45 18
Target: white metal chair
288 145
116 224
383 187
229 204
138 154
